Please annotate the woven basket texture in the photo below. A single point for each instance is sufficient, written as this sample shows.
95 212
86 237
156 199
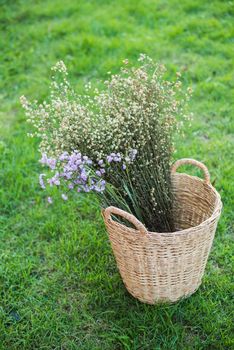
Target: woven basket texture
165 267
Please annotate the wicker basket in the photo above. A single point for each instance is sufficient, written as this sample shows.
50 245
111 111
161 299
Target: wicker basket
164 267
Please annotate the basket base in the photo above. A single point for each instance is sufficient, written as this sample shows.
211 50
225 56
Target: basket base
160 300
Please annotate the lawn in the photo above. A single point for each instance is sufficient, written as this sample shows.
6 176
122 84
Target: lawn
59 285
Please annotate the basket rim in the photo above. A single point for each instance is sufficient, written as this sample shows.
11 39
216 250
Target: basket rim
191 230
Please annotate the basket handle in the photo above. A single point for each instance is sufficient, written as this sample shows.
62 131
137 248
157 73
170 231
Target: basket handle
131 218
192 162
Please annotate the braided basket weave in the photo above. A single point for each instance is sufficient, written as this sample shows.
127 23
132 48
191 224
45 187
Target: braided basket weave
164 267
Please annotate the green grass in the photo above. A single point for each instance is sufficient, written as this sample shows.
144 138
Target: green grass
59 285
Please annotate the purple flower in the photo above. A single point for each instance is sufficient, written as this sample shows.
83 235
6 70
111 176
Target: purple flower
86 188
74 172
48 161
77 181
102 171
41 181
43 159
49 200
124 166
64 156
83 175
117 159
66 174
54 180
51 163
109 159
73 167
64 197
78 162
100 187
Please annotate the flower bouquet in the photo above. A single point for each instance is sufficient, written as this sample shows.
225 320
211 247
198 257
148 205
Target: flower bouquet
117 143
